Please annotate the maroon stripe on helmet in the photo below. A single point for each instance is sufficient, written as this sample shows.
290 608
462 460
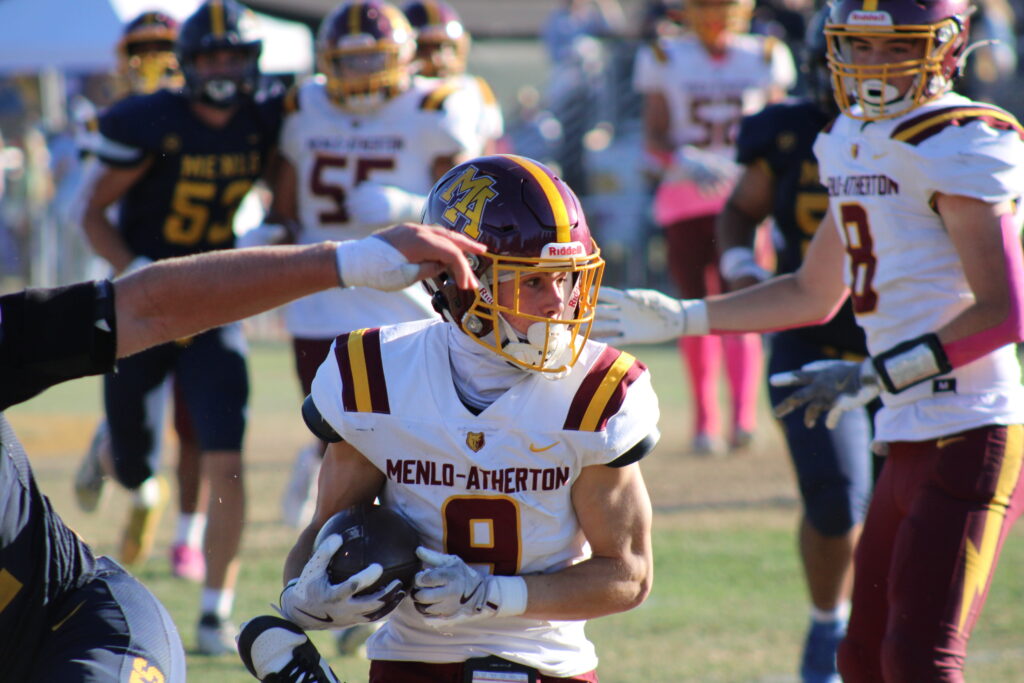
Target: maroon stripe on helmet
348 392
592 382
375 372
953 116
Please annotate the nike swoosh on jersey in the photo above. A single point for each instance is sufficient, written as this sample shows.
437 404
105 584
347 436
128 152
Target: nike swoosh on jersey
942 443
541 449
326 619
70 614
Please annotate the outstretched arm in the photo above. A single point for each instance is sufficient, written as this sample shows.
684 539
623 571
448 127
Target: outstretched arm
810 296
179 297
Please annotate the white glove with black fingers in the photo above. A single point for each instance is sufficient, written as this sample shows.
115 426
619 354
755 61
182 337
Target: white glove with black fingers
835 386
312 602
370 203
448 590
372 262
646 316
263 235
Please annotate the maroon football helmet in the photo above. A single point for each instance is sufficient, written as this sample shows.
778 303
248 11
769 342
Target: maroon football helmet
532 223
145 54
442 44
365 50
938 31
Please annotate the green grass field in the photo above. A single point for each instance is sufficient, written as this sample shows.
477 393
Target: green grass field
728 602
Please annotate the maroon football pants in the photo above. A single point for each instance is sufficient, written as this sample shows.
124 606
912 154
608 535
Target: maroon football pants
934 530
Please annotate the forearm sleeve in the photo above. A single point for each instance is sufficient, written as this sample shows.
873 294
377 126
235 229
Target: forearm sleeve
48 336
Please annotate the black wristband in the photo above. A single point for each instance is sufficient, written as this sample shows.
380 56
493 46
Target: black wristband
911 362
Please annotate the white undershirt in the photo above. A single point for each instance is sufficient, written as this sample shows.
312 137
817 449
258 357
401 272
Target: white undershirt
480 375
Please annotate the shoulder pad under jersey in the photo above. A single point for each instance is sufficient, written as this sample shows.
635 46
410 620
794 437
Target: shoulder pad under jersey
434 100
917 129
317 424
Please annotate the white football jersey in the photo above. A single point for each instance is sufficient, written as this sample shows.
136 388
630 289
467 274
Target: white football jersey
479 117
707 96
493 488
904 274
332 151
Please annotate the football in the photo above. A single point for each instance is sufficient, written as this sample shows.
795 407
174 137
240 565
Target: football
372 533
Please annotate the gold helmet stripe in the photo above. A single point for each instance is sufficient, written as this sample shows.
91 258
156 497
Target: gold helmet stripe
355 13
558 209
433 15
217 18
870 5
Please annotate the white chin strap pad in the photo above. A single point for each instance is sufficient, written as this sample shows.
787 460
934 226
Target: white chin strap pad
877 97
531 351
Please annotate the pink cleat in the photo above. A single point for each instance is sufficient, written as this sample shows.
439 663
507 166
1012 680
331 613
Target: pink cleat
188 562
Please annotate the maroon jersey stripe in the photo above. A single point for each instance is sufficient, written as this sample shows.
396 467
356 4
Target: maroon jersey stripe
602 391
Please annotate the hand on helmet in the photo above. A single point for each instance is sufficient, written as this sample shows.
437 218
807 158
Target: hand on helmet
646 316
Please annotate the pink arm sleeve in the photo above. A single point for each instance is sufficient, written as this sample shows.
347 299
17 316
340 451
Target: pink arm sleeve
1011 329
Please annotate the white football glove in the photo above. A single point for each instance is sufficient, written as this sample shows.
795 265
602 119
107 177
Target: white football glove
449 590
372 262
828 385
711 172
371 203
263 236
646 316
313 603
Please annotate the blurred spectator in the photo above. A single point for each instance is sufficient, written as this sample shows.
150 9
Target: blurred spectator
991 65
576 19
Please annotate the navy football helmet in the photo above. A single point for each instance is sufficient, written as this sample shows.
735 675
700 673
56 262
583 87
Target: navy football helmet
220 25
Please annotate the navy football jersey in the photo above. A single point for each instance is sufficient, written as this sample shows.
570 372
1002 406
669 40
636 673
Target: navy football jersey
782 137
186 201
41 560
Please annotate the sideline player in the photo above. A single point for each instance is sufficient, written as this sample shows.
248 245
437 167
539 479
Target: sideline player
923 233
696 87
538 517
147 63
442 50
361 145
69 616
833 466
180 164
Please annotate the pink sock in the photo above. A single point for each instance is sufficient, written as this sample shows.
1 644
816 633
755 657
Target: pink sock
703 357
743 365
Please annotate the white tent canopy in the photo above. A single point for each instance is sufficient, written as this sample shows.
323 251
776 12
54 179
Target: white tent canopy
39 35
78 36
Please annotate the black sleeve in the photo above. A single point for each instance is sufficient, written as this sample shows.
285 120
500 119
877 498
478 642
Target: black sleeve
127 130
636 453
48 336
317 424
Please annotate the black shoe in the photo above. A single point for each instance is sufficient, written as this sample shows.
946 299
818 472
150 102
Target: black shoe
275 650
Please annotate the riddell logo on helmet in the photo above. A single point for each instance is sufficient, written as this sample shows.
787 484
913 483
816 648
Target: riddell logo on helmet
864 18
557 250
